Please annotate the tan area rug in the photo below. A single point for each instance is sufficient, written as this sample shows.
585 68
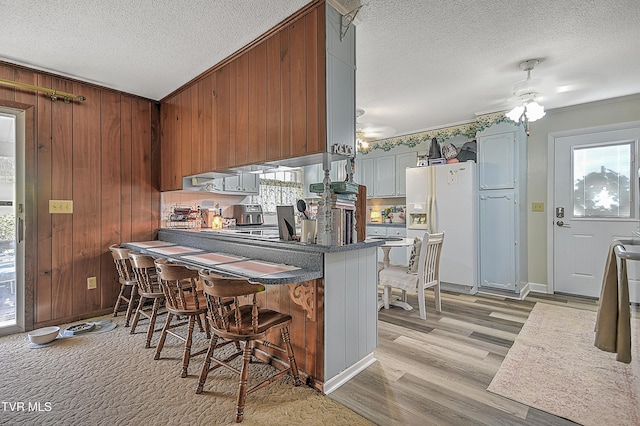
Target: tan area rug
554 366
111 379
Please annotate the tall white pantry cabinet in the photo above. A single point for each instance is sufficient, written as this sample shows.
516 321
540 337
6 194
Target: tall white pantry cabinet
502 211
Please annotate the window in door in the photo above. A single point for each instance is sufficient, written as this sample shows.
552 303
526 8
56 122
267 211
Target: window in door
602 181
8 287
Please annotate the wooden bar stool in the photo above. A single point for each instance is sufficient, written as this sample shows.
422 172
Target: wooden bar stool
248 324
126 279
183 299
144 271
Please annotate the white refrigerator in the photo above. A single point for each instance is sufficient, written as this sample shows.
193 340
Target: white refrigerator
444 198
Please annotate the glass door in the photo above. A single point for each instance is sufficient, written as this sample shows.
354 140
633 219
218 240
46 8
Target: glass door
10 302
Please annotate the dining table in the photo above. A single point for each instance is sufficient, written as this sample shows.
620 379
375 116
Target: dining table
390 243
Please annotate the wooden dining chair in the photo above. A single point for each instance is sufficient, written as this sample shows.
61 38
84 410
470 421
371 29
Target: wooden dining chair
128 283
248 324
182 299
144 271
427 275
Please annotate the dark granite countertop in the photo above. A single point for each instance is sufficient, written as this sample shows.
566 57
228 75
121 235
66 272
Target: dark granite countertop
308 257
270 243
287 277
392 225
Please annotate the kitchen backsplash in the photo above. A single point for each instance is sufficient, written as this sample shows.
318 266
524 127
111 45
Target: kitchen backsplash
375 207
381 210
195 199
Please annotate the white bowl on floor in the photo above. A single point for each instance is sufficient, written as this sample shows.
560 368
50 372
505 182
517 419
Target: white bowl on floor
44 335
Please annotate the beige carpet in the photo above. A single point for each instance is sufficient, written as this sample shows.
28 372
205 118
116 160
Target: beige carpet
110 379
554 366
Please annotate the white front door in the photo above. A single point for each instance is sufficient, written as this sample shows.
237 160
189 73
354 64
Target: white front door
595 201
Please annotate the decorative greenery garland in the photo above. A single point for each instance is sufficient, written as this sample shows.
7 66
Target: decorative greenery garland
468 130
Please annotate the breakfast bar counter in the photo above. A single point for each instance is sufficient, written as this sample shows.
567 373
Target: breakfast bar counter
322 287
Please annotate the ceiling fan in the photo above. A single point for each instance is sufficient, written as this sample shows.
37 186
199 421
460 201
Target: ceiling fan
555 84
525 93
527 88
367 132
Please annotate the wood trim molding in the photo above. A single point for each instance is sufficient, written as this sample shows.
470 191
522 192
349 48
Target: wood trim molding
304 294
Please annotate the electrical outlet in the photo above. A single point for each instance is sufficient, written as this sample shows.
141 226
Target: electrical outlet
537 207
60 206
91 283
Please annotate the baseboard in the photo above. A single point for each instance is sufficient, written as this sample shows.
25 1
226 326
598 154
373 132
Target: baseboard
458 288
526 289
346 375
539 288
505 293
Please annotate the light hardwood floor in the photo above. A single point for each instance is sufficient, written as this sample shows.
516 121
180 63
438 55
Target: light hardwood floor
436 372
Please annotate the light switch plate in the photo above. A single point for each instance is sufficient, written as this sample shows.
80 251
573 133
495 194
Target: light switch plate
60 206
91 283
537 207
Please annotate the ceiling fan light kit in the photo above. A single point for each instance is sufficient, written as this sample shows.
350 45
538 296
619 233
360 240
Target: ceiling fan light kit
530 110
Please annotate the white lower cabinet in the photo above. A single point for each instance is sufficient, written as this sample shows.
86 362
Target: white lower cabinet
376 231
497 212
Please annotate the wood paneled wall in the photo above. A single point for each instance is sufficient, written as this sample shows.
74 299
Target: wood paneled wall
307 335
104 155
266 102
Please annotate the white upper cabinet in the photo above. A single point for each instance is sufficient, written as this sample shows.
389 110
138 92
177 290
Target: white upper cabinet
251 183
385 176
410 159
246 183
496 161
365 175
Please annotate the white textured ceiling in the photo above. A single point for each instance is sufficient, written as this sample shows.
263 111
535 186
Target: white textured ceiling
145 47
421 63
